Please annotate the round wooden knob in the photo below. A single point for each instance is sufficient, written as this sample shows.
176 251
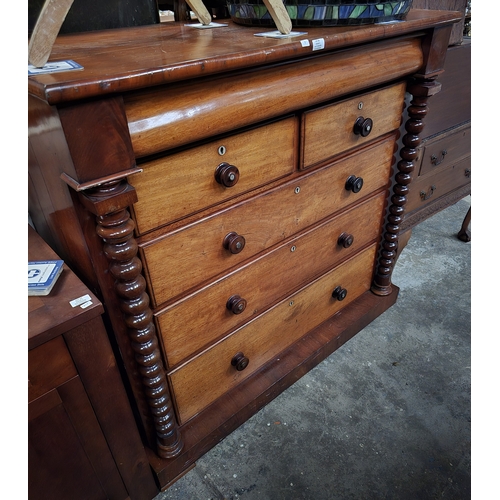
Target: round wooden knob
234 242
227 175
345 240
339 293
236 304
239 361
354 184
362 126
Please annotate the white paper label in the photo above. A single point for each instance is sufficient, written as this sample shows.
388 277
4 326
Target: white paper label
318 44
80 300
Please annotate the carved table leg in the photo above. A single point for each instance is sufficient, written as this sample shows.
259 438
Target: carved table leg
464 233
421 90
116 229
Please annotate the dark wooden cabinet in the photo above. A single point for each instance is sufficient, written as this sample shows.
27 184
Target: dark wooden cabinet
82 439
443 165
231 199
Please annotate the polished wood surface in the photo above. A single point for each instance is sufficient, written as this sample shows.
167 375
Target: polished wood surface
178 185
329 130
160 120
455 5
259 340
183 326
445 150
50 315
177 262
126 59
176 89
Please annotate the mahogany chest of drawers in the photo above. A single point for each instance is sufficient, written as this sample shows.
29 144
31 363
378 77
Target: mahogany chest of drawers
234 199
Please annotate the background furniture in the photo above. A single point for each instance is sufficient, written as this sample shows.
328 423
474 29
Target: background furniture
83 442
229 199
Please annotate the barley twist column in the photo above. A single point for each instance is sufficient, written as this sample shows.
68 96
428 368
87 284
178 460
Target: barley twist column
421 90
120 247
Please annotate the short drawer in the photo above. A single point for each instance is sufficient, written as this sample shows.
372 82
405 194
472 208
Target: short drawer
333 129
445 150
49 366
247 292
425 189
202 380
181 184
181 260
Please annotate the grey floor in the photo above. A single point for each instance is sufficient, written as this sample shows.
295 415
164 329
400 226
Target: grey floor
387 416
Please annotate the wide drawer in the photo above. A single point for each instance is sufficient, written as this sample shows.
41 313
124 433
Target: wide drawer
425 189
193 323
332 129
189 257
49 366
445 150
203 379
181 184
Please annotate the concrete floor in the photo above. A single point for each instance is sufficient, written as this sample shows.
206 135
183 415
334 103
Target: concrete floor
387 416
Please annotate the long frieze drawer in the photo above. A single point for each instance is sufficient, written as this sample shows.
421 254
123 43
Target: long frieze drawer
166 117
180 260
202 380
245 293
446 150
332 129
426 189
181 184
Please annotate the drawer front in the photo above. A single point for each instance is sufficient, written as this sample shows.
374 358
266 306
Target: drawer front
330 130
49 366
445 151
190 257
181 184
201 381
425 189
245 293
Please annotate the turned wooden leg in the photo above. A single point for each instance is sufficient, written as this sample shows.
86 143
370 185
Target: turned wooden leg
421 90
464 233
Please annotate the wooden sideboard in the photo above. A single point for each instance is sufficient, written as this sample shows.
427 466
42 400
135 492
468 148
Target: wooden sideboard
235 201
83 442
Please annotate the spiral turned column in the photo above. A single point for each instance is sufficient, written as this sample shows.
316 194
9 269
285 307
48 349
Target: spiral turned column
120 247
421 90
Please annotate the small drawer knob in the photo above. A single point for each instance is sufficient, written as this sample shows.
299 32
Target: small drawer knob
239 361
339 293
354 184
236 304
234 242
227 175
363 126
345 240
